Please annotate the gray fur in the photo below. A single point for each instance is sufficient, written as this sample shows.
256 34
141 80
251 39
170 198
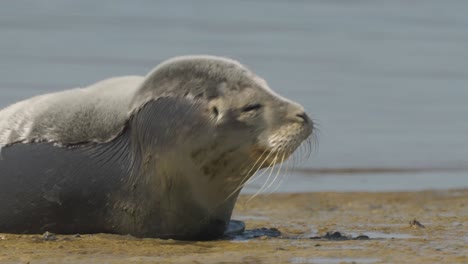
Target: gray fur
159 156
98 113
94 114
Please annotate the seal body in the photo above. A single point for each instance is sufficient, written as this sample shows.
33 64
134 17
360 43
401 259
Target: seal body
158 156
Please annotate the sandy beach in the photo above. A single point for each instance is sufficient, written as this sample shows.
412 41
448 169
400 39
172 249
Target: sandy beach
374 228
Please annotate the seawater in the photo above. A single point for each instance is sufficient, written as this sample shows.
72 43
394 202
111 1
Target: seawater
386 81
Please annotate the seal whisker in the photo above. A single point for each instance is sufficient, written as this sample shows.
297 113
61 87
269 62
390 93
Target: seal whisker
246 182
256 177
246 179
308 147
242 183
294 162
271 169
285 175
303 150
277 173
315 141
256 162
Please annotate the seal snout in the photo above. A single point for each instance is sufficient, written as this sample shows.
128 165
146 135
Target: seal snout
297 114
306 120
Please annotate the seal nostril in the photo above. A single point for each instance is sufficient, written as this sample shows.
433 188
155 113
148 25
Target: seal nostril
303 117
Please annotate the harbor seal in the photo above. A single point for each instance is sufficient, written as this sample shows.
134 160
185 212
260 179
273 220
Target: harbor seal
160 156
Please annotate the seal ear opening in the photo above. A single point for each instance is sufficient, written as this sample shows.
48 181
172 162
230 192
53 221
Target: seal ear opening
215 111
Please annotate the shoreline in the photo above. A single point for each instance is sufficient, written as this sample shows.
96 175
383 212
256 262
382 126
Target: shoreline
365 182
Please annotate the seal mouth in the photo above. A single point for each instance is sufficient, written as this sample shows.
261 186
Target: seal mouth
265 157
279 147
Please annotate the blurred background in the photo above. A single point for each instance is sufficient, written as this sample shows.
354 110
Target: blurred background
387 81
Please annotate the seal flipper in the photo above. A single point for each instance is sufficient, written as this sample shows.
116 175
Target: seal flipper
235 227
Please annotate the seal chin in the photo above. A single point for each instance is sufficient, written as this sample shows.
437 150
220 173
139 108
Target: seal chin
279 149
262 156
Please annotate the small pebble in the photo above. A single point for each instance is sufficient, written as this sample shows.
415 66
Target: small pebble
48 236
416 224
362 237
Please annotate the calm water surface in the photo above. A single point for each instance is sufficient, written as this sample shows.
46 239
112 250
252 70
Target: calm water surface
387 81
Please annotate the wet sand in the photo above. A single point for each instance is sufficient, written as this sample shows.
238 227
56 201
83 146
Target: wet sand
303 220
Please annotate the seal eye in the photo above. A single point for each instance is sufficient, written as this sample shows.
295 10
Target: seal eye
251 107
